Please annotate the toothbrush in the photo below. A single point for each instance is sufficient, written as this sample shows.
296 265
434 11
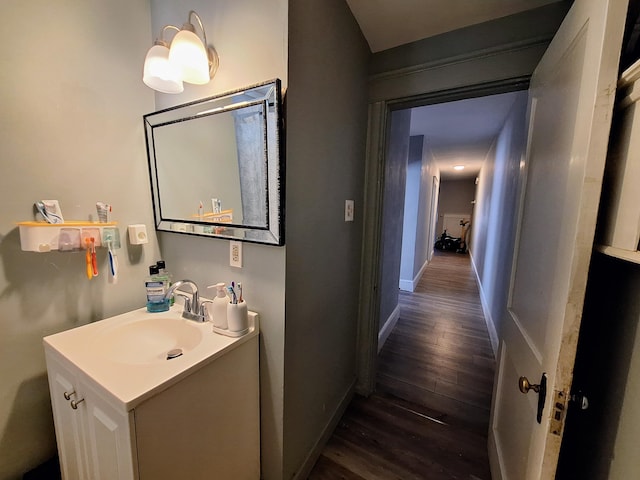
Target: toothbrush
94 258
240 291
113 263
232 295
88 259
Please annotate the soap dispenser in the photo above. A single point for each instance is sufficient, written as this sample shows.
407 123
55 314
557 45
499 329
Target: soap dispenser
219 307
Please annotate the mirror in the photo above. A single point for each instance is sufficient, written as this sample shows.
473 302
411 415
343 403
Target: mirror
215 166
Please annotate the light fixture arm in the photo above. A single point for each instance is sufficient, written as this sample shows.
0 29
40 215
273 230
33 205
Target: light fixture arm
204 34
212 55
160 39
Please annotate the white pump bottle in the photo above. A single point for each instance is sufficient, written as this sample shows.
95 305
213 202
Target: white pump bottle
218 310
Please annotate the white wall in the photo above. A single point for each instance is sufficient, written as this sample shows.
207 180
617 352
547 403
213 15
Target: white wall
71 129
250 37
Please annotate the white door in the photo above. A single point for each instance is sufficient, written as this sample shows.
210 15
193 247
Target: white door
571 100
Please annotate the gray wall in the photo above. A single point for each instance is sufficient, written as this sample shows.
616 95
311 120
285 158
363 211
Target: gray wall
251 38
416 237
395 180
71 130
495 215
326 133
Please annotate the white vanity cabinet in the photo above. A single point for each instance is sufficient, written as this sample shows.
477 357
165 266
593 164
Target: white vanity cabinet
94 438
195 416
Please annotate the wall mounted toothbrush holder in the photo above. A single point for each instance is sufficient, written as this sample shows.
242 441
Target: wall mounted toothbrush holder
67 236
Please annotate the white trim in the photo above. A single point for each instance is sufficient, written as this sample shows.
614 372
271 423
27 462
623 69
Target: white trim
620 253
496 463
488 319
389 325
407 285
316 451
410 285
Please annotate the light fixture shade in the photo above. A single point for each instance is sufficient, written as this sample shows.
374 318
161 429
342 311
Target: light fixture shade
189 56
159 73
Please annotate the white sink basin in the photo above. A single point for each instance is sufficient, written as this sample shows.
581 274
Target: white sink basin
148 340
126 355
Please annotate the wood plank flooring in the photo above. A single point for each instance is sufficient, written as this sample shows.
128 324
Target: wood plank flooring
429 416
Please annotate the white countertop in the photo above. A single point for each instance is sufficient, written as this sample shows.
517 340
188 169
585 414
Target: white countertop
130 379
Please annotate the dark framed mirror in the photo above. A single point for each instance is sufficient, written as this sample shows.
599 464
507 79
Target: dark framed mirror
216 167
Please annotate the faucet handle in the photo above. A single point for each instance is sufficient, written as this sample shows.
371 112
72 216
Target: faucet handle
204 311
187 302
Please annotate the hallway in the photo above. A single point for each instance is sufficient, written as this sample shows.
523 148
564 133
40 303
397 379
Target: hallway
429 417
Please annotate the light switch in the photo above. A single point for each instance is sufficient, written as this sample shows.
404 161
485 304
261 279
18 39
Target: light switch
348 210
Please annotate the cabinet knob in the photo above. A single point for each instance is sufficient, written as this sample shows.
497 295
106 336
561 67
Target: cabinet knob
67 395
74 403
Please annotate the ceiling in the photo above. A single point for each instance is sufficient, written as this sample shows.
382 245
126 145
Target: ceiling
390 23
459 132
462 132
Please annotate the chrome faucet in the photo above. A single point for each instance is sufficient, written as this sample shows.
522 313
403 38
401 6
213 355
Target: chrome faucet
194 308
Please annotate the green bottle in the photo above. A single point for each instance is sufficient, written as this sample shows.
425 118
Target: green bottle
157 287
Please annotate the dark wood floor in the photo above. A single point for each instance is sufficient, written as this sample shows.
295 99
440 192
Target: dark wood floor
429 416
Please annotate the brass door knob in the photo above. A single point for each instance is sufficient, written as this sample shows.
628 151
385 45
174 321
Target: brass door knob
525 385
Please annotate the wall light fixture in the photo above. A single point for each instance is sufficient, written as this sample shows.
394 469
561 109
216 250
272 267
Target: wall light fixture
185 59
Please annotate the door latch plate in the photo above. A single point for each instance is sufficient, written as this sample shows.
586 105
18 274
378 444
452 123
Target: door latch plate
558 413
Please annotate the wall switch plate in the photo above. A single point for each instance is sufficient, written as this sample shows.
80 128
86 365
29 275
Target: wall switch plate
348 210
235 254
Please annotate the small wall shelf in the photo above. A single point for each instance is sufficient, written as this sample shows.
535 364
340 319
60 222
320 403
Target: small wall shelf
46 237
627 255
619 225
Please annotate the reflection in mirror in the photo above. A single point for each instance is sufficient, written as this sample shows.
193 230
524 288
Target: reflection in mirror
215 166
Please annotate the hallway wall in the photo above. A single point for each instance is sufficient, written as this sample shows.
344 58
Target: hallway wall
395 180
326 128
416 231
495 215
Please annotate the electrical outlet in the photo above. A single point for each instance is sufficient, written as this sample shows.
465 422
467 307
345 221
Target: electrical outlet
348 210
235 254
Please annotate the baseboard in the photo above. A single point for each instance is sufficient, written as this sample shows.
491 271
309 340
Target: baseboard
316 451
407 285
410 285
488 319
389 325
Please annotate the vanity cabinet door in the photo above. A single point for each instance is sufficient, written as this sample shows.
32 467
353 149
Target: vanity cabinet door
69 423
109 438
94 439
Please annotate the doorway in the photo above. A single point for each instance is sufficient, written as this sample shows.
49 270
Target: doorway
494 190
485 135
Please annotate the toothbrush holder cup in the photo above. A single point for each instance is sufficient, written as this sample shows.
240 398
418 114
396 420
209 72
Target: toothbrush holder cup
237 316
69 240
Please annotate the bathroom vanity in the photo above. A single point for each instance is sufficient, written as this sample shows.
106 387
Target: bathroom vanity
124 409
